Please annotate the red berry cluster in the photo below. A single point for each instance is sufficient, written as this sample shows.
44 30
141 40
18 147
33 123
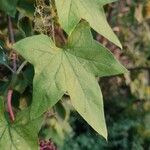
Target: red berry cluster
47 145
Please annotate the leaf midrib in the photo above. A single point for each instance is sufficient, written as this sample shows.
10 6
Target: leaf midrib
77 78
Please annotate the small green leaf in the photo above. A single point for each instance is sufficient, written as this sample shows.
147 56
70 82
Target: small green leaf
20 135
9 6
26 8
70 12
20 83
71 69
60 109
25 26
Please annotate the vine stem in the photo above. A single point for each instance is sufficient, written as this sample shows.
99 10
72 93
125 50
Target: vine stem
9 98
14 57
10 30
21 67
9 68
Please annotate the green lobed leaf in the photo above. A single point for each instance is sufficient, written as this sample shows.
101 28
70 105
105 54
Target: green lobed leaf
70 12
20 135
9 6
71 70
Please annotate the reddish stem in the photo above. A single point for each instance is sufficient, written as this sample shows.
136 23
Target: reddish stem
10 92
9 98
10 30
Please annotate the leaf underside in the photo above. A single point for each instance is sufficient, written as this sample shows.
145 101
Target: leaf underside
70 69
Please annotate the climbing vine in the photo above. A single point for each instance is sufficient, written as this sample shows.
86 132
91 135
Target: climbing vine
52 60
